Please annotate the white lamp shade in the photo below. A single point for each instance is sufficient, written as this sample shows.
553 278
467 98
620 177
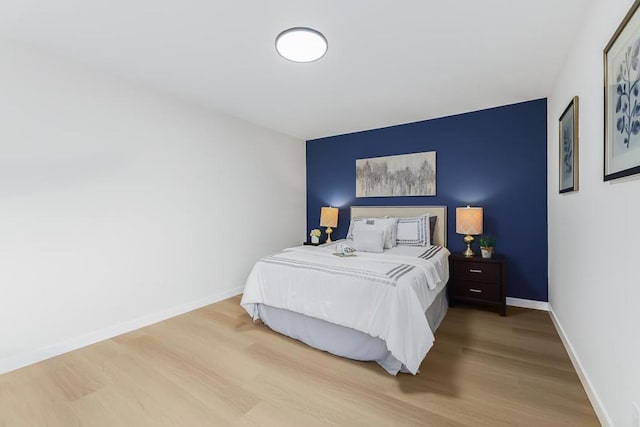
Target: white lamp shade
469 220
328 217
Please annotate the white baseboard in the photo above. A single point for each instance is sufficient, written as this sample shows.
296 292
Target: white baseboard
21 360
598 407
528 303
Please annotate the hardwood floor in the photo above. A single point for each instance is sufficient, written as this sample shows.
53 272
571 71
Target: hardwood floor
214 366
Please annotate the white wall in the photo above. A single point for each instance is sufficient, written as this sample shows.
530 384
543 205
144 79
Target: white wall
118 203
594 285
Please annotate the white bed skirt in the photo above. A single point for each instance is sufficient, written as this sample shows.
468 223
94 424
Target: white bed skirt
343 341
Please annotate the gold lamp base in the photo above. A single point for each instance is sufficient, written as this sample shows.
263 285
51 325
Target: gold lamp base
468 239
329 231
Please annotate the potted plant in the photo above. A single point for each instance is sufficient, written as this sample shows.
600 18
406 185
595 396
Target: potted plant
486 246
315 236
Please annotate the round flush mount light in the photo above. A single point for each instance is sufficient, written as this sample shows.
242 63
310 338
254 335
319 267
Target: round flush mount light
301 44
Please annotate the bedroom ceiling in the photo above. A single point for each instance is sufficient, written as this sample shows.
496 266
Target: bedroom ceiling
389 62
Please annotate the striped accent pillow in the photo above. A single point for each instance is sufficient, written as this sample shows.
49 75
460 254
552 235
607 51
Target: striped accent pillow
416 231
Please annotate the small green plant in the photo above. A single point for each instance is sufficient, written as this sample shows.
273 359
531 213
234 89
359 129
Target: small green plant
487 242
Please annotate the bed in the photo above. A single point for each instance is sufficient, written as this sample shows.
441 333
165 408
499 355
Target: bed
382 307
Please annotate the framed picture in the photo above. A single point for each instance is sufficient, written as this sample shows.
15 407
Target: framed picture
622 99
568 161
393 176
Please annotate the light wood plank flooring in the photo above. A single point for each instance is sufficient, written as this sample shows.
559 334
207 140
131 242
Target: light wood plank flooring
215 367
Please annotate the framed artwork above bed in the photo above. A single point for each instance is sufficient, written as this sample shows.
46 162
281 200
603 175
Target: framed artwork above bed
393 176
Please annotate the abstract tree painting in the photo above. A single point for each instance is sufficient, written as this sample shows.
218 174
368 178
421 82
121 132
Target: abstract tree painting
392 176
568 125
622 99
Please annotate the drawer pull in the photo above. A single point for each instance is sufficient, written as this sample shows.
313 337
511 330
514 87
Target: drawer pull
477 291
471 270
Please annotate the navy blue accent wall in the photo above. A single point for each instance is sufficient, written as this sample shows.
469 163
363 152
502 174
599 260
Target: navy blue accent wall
495 158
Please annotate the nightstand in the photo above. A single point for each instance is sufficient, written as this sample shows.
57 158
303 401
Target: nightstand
311 244
478 280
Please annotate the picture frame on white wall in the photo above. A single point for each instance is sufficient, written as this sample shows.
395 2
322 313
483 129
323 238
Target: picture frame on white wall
568 142
622 99
412 174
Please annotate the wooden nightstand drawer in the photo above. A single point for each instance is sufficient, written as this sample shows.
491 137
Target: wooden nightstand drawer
489 292
479 281
477 271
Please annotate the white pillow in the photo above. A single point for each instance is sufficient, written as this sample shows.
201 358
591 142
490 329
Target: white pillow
413 231
352 224
368 240
389 225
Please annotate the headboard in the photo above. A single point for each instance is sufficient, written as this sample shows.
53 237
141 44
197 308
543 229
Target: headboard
440 237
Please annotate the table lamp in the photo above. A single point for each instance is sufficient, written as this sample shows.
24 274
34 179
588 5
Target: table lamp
328 218
468 221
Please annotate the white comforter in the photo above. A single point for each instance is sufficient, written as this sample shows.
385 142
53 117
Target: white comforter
384 295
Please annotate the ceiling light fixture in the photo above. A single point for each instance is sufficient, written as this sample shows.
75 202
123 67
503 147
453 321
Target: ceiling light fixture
301 44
